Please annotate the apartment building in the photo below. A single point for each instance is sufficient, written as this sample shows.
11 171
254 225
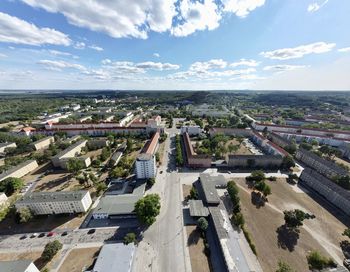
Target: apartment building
43 143
3 146
146 166
335 194
267 146
55 202
323 166
60 160
98 143
20 170
254 161
193 159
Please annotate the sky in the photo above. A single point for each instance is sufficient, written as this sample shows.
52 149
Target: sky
175 44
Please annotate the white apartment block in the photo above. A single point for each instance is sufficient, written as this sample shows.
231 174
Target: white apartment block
56 202
146 166
43 143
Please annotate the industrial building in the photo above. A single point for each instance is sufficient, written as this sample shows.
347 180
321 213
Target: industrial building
56 202
20 170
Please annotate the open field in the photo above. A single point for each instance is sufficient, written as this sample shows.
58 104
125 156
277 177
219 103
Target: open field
79 259
59 180
322 233
199 261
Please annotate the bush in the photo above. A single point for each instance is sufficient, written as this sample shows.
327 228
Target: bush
193 193
238 220
202 224
249 240
129 238
51 250
317 261
284 267
11 185
24 215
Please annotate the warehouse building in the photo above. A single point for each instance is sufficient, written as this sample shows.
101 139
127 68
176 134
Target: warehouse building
43 143
331 191
56 202
20 170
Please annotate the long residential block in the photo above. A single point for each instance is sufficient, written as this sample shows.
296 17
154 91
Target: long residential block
331 191
3 146
43 143
56 202
60 160
20 170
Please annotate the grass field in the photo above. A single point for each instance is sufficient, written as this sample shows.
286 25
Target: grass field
79 259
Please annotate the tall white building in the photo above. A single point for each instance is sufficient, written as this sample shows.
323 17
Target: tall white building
146 166
56 202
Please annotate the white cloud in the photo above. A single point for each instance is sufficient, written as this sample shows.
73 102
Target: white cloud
3 55
299 51
157 66
196 16
241 7
316 6
283 67
60 65
79 45
115 18
208 65
15 30
156 55
244 62
344 50
95 47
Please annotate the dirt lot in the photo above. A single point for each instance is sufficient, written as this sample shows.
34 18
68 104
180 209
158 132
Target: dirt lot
30 255
79 259
199 261
322 233
59 180
242 150
186 190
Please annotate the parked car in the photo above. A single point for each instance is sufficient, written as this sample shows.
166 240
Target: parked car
64 233
23 237
91 231
41 234
34 235
50 234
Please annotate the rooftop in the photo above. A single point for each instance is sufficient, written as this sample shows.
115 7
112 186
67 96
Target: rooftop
115 257
208 183
15 266
197 208
151 145
69 149
53 196
44 139
16 168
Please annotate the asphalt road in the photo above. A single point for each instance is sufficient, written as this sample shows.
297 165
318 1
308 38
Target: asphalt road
163 246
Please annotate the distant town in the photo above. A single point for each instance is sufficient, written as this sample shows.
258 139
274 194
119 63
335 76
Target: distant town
195 181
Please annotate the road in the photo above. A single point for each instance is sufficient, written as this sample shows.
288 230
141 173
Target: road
163 247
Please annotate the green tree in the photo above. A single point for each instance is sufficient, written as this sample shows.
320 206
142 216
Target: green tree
151 181
50 250
347 232
202 224
238 219
284 267
147 208
129 238
193 193
318 261
11 185
24 214
100 187
74 166
294 218
288 162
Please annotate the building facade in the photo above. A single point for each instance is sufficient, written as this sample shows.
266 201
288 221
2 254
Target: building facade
43 143
255 161
56 202
191 130
20 170
60 160
3 146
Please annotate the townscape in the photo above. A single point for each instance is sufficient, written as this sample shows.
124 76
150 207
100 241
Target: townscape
183 181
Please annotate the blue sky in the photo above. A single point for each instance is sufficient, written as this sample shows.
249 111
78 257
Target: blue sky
175 44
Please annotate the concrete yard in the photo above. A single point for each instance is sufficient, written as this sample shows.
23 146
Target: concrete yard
322 233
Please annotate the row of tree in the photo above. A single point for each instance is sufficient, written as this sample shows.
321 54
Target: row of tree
179 156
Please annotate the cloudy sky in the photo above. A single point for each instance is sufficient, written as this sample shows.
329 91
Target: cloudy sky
175 44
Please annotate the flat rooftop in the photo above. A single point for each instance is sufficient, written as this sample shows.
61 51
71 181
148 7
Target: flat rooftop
208 183
15 266
197 208
52 196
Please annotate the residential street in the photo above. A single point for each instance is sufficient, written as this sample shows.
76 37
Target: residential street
163 247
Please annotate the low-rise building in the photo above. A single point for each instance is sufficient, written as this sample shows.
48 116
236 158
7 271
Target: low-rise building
193 159
191 130
3 146
60 160
323 166
116 158
18 266
208 186
98 143
115 257
43 143
331 191
20 170
255 161
56 202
